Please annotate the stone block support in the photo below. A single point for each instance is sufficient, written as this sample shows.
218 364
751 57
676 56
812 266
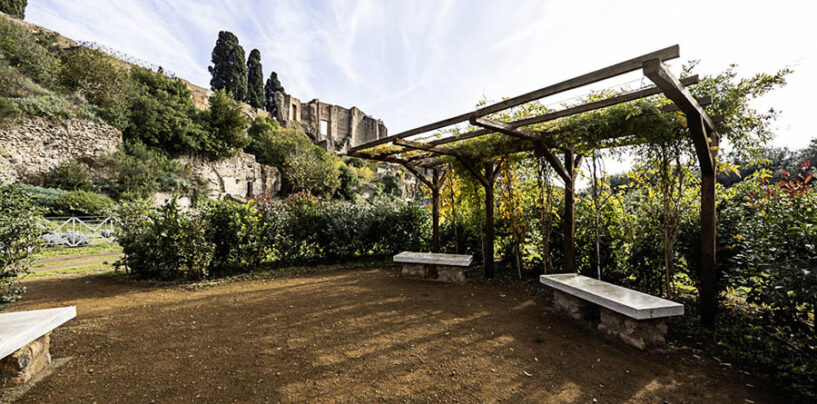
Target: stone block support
642 334
27 361
438 273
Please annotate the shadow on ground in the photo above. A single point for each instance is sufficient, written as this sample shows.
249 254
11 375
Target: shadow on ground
348 336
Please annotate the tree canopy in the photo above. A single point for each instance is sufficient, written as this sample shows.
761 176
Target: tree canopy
255 80
229 70
14 8
272 87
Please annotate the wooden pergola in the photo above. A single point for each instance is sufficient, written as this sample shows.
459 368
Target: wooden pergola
544 143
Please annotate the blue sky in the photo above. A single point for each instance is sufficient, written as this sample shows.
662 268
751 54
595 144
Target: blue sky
411 62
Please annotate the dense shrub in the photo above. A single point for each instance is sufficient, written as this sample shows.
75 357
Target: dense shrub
169 244
238 237
27 52
70 175
226 124
14 84
304 165
83 203
19 239
44 198
162 114
139 172
99 79
237 232
304 228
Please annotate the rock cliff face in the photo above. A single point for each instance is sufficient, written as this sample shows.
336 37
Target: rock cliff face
238 177
32 145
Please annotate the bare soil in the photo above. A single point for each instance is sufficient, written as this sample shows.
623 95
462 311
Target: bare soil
350 336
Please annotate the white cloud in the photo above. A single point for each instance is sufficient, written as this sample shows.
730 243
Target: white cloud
412 62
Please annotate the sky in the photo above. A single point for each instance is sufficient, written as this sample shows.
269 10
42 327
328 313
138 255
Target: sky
413 62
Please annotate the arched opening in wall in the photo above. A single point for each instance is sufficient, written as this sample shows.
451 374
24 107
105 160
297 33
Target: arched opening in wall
293 113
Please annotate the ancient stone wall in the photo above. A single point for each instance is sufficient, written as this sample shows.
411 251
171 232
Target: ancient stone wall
331 126
30 146
237 177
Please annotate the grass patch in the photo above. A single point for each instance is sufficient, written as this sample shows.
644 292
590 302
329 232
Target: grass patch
98 268
63 251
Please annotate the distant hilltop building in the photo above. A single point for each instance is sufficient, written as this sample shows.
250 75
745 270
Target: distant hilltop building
332 127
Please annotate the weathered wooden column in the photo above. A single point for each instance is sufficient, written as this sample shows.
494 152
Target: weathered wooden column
569 216
435 211
708 290
488 239
705 140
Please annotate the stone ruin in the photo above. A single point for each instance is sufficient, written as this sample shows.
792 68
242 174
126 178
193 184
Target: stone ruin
333 127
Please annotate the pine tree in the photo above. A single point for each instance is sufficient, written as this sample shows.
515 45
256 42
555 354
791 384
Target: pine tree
273 86
14 8
228 70
255 80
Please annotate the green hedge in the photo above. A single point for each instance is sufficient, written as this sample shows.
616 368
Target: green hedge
238 237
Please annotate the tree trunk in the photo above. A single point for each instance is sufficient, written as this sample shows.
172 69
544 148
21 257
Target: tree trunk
435 212
568 219
488 240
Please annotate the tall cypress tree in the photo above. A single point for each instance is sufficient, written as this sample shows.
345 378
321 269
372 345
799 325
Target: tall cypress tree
273 86
228 70
255 80
14 8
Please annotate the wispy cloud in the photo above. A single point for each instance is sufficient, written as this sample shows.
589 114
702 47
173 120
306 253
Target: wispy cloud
413 61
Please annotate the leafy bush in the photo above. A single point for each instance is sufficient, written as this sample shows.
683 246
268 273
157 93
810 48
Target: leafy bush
162 114
140 172
45 198
47 106
236 231
304 165
70 175
15 84
83 203
170 244
99 79
19 239
23 49
304 228
226 125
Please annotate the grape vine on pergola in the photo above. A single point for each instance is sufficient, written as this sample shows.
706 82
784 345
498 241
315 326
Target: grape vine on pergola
544 143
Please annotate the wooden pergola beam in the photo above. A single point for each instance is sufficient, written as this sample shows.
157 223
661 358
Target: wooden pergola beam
675 91
426 147
627 66
539 145
705 100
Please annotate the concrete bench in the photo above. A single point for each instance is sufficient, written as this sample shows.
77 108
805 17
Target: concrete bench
434 266
633 317
25 341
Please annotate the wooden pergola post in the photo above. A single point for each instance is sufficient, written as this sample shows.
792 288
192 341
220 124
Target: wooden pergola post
435 210
569 217
701 127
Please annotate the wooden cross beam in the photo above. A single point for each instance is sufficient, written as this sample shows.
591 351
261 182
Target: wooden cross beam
539 144
705 100
668 53
430 148
698 120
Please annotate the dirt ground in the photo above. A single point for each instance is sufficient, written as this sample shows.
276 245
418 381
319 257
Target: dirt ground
350 336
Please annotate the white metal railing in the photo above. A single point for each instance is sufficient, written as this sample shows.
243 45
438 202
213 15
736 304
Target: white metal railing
77 231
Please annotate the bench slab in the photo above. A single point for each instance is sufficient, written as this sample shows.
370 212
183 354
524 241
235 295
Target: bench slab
628 302
409 257
18 329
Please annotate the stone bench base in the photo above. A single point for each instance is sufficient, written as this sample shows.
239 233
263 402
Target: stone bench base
26 362
641 334
438 273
